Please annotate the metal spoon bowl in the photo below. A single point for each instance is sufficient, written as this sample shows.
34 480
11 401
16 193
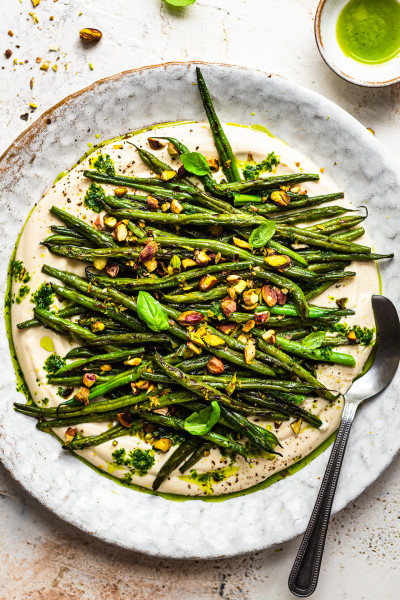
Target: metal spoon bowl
303 578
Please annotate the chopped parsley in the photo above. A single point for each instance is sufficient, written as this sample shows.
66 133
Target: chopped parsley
364 334
104 164
141 460
137 461
44 296
94 197
53 363
254 171
22 292
127 478
19 272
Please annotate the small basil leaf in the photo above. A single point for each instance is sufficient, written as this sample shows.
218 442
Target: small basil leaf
262 234
314 340
151 312
203 421
195 163
180 2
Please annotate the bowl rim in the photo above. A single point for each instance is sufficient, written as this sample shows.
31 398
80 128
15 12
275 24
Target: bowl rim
320 45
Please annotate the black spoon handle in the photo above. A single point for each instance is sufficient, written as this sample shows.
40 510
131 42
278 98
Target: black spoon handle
303 578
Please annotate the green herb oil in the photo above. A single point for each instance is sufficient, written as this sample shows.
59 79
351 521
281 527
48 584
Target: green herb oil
369 30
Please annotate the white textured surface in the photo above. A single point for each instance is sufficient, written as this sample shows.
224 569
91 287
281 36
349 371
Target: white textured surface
375 108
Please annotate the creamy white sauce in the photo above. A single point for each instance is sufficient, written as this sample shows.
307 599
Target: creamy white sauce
69 192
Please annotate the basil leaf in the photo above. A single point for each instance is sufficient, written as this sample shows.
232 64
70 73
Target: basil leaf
203 421
262 234
314 340
151 312
195 163
180 2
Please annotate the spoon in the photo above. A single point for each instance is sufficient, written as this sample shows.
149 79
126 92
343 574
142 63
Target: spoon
304 575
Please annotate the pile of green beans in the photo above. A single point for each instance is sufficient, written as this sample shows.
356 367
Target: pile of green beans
236 315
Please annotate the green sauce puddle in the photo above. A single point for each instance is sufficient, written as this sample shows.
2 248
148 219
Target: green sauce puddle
369 30
22 387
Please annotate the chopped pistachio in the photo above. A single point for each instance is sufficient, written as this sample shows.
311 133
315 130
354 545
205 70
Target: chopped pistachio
99 263
296 426
167 175
176 207
241 243
133 362
163 444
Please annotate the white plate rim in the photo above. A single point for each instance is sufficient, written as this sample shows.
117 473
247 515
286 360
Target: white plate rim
204 547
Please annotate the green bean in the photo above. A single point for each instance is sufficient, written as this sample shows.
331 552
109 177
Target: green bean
201 218
283 323
80 352
335 276
180 455
193 364
99 306
349 236
296 334
327 267
78 443
198 296
65 230
287 408
65 312
296 368
265 182
313 214
246 200
267 209
129 339
299 273
199 453
315 311
180 146
154 183
320 241
154 163
69 421
244 383
228 160
63 325
334 225
105 406
97 237
318 256
64 240
110 357
288 251
322 355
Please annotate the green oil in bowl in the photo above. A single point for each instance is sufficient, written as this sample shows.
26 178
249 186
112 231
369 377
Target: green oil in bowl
369 30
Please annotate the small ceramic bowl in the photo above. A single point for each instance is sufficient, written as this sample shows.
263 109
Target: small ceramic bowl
361 74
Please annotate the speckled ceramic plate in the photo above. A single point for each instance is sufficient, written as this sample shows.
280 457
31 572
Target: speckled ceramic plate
355 161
